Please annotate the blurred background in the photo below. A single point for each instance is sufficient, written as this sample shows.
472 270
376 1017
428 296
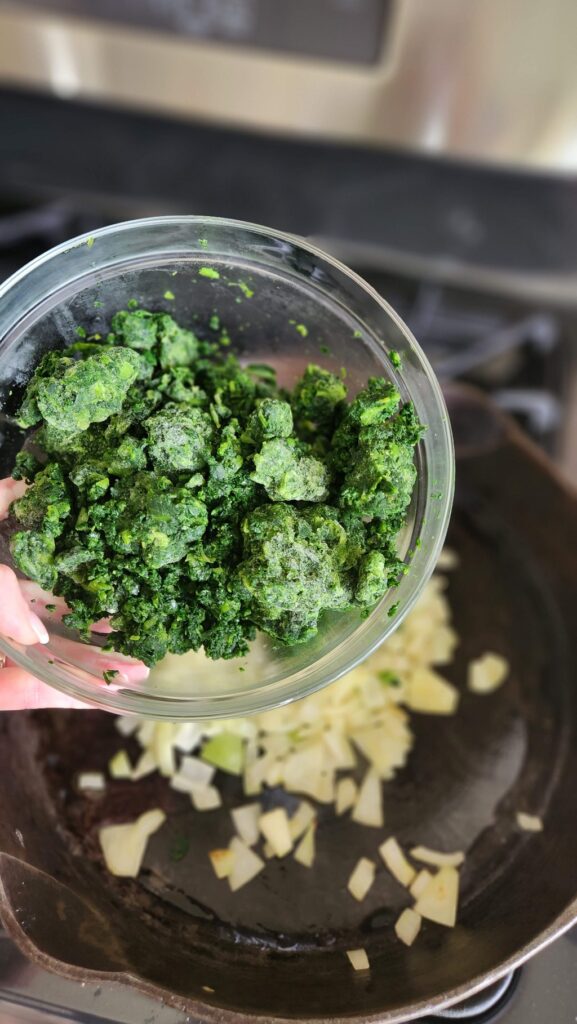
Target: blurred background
431 145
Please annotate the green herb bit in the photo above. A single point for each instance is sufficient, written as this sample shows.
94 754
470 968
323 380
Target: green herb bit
50 607
301 328
203 242
169 296
246 291
395 359
179 848
90 242
209 272
109 675
389 678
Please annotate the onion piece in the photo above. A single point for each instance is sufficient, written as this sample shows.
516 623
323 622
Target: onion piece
436 858
397 863
408 926
448 560
162 748
430 694
368 809
94 781
438 901
145 765
126 725
119 766
305 852
275 827
246 864
245 820
303 817
123 846
222 861
420 884
529 822
187 736
346 794
362 878
225 751
205 798
487 673
196 770
359 959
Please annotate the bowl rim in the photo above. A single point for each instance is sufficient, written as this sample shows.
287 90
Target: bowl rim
258 699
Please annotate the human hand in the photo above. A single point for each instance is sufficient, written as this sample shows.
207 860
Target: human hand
18 621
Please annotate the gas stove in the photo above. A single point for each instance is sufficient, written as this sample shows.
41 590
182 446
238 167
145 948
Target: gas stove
520 351
30 995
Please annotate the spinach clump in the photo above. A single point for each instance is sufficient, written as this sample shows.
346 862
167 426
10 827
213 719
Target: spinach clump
191 501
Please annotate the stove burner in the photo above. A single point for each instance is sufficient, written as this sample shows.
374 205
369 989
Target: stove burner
484 1005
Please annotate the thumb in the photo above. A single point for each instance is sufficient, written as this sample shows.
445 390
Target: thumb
17 620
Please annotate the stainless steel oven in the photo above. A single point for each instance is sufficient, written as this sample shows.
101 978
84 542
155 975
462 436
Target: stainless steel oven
485 80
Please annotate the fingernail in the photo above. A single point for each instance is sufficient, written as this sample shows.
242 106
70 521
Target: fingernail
39 628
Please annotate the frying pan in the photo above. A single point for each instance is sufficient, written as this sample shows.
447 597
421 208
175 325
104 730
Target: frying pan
276 949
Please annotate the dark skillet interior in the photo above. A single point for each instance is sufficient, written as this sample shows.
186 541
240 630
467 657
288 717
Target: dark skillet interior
276 948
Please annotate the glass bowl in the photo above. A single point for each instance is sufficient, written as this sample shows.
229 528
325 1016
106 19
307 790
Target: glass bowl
282 301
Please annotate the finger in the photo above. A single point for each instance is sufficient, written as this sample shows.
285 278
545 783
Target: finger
20 692
10 490
97 661
17 620
57 605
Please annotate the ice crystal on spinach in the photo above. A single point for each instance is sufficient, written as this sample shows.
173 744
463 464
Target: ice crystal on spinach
191 501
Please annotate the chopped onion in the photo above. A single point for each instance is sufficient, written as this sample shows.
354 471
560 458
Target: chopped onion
396 862
420 884
123 846
362 878
187 736
275 827
196 770
487 673
245 820
126 725
338 751
447 560
246 864
408 925
368 809
305 851
91 780
436 858
304 816
145 732
438 901
225 751
119 766
145 765
205 798
346 795
359 959
429 693
529 822
267 851
162 748
222 861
